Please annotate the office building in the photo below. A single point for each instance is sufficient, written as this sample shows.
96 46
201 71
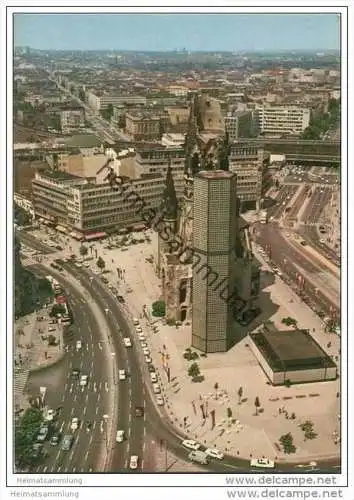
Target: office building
214 238
282 120
239 124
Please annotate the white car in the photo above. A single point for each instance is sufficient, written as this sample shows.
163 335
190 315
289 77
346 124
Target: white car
143 344
120 436
86 264
262 463
135 321
78 264
148 360
190 444
142 337
160 400
127 342
146 351
214 453
50 415
74 424
133 464
139 329
83 380
153 377
78 345
122 375
156 388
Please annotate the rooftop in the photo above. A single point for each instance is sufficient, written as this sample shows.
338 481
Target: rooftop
291 349
59 175
84 141
215 174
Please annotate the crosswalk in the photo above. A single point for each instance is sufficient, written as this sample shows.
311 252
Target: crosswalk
20 381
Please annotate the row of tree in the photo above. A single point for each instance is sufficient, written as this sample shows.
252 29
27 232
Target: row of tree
323 122
26 432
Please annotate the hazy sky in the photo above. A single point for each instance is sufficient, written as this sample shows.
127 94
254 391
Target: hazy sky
176 31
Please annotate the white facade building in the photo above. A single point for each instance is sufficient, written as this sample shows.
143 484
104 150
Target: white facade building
282 120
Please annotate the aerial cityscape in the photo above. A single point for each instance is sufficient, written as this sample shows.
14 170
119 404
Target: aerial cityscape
177 245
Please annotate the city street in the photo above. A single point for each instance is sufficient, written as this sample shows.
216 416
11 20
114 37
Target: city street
155 421
88 403
292 262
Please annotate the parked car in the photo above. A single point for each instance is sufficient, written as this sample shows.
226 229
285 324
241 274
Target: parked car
159 399
199 456
156 388
83 380
148 360
153 377
120 299
122 375
78 345
43 433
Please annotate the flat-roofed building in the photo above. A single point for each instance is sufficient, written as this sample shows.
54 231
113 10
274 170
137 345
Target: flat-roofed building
291 357
282 120
143 126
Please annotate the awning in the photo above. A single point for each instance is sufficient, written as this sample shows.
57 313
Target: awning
92 236
62 229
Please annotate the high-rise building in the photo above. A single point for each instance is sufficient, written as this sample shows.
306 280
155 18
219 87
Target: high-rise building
214 238
282 120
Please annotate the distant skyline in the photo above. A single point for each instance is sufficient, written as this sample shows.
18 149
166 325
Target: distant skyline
166 32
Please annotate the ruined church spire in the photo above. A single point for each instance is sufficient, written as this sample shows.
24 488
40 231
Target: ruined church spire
191 136
170 203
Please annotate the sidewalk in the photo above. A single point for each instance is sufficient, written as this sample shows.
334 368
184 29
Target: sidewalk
246 434
31 350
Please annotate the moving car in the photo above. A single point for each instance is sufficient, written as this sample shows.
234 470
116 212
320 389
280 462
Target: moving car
120 436
263 463
133 464
214 453
122 375
191 444
75 373
50 415
67 442
83 380
199 456
74 424
43 433
127 342
139 411
78 345
54 440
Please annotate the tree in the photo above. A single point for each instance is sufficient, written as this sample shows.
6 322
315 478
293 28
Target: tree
229 413
100 263
240 394
287 441
159 308
83 250
26 432
193 370
257 404
289 321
